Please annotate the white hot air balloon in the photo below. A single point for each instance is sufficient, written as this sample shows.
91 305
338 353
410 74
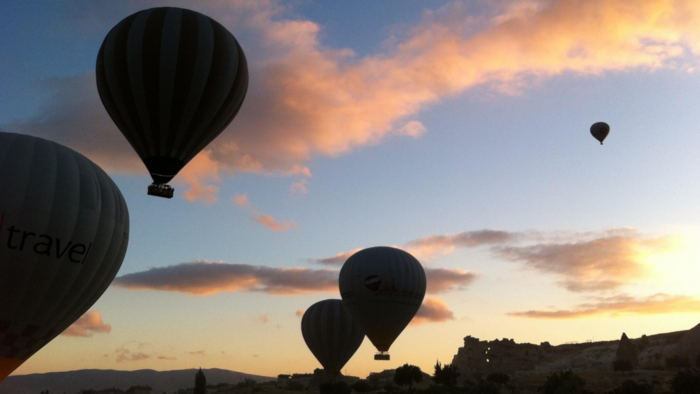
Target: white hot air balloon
382 288
64 231
331 334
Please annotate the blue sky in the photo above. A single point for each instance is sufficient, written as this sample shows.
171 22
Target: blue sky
509 150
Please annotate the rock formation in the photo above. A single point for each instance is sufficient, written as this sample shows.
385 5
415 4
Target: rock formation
627 352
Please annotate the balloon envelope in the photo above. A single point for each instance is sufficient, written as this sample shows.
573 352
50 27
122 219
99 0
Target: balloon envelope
172 80
382 288
600 130
64 230
331 334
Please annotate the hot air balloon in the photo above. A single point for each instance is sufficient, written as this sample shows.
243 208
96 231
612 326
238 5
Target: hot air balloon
331 334
172 80
382 288
64 230
599 131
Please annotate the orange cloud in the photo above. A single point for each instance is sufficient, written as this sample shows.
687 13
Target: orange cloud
264 318
433 310
602 263
300 313
89 323
306 99
446 244
200 170
124 354
198 353
582 261
619 305
442 280
270 222
207 278
266 220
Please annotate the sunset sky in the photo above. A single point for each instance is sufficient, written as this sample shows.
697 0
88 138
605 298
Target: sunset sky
456 130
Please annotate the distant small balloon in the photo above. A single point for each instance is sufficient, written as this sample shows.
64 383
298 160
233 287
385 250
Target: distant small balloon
600 130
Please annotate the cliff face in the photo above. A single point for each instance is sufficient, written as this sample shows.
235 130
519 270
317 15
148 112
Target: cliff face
484 357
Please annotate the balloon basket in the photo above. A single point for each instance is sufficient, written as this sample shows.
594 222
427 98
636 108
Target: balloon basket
165 191
382 356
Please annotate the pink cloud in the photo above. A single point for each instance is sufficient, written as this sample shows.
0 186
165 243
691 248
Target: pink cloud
300 187
86 325
266 220
274 225
433 310
241 200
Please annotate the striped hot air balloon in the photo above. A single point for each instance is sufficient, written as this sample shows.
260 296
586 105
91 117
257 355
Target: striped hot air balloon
331 334
382 288
64 230
172 80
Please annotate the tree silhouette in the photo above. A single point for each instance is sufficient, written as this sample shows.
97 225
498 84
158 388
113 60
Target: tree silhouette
338 387
498 378
632 387
406 375
361 386
686 382
446 375
200 383
564 382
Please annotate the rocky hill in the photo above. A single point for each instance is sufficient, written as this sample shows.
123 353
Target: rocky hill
160 381
653 352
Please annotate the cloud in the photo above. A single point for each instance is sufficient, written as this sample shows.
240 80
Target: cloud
582 261
338 259
197 353
442 280
166 358
413 128
433 310
266 220
601 263
272 224
300 313
89 323
306 99
207 278
241 200
300 187
264 318
446 244
200 170
620 305
124 354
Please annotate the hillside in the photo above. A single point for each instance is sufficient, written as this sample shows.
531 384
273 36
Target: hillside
161 381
